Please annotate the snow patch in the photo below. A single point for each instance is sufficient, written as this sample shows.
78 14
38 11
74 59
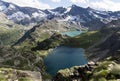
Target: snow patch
55 13
11 6
18 16
36 14
68 9
2 7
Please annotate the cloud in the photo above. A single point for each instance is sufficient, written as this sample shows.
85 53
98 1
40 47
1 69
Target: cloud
29 3
105 5
110 5
55 0
79 1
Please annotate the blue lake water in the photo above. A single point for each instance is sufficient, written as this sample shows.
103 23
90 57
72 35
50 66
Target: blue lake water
72 33
64 57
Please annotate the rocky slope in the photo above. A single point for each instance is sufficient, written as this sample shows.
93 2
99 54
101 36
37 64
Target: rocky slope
23 60
100 71
109 46
9 74
17 63
9 31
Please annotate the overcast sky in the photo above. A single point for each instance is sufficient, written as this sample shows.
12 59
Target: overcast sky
112 5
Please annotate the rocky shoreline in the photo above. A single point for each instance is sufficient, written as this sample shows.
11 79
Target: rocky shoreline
99 71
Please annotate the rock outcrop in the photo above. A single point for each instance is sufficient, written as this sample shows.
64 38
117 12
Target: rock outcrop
9 74
100 71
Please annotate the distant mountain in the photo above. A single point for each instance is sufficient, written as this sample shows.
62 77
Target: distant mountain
21 15
86 17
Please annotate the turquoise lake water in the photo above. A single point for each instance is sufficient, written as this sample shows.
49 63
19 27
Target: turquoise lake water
72 33
64 57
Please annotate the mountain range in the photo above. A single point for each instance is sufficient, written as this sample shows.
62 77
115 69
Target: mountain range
84 17
28 35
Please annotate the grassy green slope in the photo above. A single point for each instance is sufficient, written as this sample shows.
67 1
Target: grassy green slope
85 40
9 31
9 36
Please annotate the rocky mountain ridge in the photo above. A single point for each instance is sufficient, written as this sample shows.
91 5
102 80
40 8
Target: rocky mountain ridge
84 17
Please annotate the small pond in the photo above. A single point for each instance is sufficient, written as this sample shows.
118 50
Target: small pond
72 33
64 57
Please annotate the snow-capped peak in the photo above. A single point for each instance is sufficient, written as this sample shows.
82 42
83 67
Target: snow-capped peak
71 14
